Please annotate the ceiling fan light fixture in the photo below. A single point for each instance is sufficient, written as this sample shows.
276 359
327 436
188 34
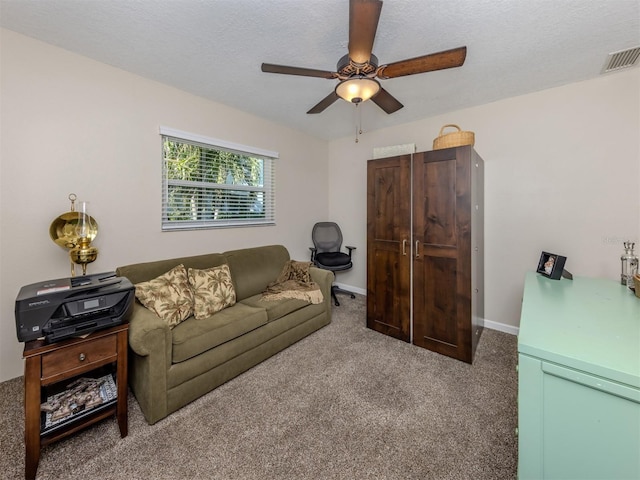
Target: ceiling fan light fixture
357 89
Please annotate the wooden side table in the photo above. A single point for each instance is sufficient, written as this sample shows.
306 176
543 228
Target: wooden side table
47 365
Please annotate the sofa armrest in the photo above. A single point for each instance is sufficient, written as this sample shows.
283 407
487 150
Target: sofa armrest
324 278
150 341
149 335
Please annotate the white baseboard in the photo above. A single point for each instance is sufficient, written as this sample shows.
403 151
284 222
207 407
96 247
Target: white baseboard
501 327
349 288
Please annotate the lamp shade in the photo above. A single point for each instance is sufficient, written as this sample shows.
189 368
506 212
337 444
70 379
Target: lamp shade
357 89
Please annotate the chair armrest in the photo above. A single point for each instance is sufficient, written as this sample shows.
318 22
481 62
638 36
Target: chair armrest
313 253
350 249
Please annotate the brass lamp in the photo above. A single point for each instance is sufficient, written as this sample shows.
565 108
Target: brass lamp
75 230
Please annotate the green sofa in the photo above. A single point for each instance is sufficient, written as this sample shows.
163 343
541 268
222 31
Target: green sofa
171 367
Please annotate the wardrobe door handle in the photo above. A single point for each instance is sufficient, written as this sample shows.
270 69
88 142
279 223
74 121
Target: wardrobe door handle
404 246
417 250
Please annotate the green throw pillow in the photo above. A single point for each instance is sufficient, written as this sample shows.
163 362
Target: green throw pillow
212 290
169 296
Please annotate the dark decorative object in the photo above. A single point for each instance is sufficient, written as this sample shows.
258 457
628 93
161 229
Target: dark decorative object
552 265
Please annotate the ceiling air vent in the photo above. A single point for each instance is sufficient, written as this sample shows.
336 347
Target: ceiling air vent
622 59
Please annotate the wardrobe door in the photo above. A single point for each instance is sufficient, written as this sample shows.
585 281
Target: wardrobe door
389 246
442 252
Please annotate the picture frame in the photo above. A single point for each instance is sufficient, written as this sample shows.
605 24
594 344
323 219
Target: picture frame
551 265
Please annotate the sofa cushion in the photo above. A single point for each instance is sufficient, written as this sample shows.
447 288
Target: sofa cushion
275 308
214 365
192 337
212 290
169 296
252 269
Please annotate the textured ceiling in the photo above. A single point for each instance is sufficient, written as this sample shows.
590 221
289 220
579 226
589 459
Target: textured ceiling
214 48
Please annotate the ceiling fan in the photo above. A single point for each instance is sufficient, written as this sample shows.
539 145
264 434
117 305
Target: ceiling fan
358 70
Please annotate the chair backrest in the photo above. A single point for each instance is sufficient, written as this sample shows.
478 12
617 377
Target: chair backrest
327 237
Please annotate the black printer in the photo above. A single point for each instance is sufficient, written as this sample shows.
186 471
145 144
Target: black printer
69 307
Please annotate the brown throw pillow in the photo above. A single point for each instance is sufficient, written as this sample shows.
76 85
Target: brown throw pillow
169 296
212 290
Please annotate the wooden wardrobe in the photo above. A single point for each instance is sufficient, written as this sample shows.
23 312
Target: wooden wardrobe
425 249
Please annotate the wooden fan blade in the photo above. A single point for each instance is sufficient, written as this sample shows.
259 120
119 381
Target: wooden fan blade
305 72
324 103
363 23
427 63
386 101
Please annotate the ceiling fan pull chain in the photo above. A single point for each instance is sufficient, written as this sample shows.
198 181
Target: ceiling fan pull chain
358 122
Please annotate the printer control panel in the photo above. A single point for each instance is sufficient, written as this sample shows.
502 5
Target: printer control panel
90 305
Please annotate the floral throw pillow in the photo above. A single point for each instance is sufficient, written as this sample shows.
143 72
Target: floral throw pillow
212 290
169 296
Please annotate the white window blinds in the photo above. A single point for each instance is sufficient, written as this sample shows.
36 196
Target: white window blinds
209 183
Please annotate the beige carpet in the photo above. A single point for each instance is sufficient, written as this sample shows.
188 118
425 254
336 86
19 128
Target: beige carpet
343 403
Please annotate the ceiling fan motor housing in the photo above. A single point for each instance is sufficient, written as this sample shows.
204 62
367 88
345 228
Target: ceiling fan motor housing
348 68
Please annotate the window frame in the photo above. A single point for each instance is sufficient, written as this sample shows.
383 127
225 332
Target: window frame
268 188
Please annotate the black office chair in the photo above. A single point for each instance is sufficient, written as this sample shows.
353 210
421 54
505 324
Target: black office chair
326 254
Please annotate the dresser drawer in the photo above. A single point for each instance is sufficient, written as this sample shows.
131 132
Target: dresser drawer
75 359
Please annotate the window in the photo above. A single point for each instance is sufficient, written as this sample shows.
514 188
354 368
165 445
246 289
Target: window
210 183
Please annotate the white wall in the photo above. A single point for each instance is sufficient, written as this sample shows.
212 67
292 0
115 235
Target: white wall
69 124
562 174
